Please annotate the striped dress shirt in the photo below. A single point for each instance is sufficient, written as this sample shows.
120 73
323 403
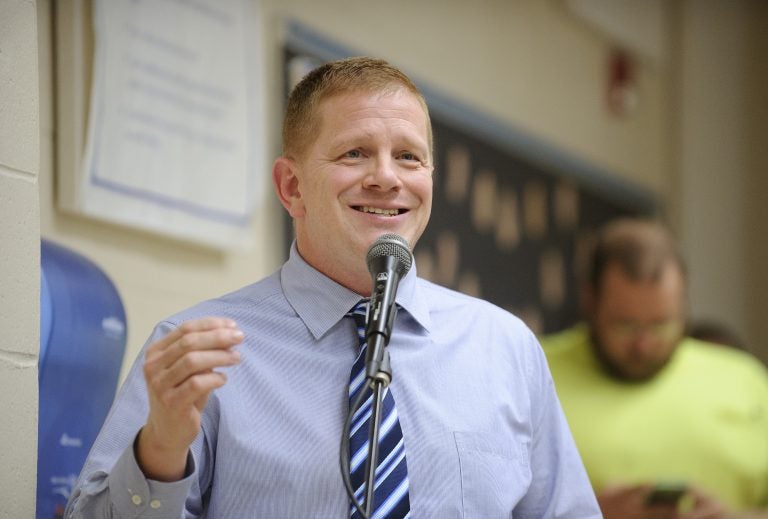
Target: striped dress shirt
485 432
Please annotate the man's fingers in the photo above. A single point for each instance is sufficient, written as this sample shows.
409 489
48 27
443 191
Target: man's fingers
191 341
201 402
191 364
195 348
216 338
190 327
193 390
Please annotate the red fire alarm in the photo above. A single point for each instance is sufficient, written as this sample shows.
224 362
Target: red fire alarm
621 92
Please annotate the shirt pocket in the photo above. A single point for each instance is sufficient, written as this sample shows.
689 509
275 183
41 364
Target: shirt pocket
495 474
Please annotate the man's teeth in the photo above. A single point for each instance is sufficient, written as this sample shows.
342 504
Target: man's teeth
378 210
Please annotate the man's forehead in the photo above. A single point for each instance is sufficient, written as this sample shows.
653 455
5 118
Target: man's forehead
331 109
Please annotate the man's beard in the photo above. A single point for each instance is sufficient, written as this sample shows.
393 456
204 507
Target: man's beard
617 371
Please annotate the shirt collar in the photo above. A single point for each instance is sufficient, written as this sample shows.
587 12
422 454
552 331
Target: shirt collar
320 302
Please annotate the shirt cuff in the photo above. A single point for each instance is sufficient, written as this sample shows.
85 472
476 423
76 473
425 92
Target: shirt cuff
131 492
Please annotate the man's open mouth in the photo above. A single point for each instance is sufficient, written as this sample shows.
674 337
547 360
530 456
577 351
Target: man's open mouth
379 210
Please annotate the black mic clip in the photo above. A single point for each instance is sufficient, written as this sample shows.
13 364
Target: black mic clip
377 367
380 329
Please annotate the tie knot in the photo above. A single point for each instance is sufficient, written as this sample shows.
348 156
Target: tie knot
358 313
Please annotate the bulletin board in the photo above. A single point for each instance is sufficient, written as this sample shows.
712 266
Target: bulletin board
513 217
159 126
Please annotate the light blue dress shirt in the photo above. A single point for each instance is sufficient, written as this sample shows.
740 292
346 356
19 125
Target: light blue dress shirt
484 432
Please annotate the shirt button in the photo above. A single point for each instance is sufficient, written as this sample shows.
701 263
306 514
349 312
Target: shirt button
155 503
136 499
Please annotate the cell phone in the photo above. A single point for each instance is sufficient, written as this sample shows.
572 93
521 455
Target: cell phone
668 494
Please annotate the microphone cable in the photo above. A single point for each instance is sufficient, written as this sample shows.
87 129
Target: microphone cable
344 460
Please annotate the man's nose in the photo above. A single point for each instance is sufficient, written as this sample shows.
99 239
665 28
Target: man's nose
383 174
645 340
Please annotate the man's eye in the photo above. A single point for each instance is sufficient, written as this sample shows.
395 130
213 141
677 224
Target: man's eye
353 154
408 156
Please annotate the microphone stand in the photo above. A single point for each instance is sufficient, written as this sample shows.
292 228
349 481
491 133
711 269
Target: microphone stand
388 259
378 365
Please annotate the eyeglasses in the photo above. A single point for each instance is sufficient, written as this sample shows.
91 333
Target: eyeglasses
666 330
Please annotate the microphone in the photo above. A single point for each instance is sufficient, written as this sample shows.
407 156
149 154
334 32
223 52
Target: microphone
388 260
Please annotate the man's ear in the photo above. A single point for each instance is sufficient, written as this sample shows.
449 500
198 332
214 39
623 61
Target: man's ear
286 185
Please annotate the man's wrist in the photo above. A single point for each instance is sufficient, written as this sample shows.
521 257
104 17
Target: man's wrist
159 461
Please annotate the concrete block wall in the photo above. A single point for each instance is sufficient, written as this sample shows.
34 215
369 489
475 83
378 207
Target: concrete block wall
19 256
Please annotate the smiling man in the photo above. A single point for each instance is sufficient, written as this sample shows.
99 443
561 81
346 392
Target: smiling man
242 414
367 171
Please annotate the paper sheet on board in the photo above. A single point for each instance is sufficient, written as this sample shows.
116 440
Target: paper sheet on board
175 137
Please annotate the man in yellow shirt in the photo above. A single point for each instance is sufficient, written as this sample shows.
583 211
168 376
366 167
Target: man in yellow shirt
649 407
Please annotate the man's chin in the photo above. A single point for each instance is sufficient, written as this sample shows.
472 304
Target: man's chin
628 370
634 370
635 373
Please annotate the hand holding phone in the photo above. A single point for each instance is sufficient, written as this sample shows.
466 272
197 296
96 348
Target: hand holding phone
666 494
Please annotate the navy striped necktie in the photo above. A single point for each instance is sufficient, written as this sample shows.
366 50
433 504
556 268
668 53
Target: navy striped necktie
391 487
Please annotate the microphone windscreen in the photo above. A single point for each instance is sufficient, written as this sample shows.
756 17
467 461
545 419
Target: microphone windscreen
390 245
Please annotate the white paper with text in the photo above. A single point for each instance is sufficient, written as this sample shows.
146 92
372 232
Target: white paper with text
175 134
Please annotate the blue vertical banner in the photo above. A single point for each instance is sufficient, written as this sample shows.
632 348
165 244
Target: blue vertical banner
82 343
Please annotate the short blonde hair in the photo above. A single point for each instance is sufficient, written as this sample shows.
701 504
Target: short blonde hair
333 78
